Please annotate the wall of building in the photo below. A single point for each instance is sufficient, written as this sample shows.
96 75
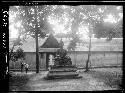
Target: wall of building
78 58
98 59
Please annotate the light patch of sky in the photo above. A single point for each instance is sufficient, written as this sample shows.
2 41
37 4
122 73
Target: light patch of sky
18 24
64 6
59 29
83 31
65 19
100 10
16 7
57 25
72 10
110 18
54 7
120 16
13 32
12 15
32 11
51 20
118 7
83 15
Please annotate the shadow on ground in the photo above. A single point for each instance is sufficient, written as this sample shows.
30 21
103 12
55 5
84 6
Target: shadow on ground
18 81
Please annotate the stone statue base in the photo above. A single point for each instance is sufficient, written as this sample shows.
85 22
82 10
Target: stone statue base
62 67
57 72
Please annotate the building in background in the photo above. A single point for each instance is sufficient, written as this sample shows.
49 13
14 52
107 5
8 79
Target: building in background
78 57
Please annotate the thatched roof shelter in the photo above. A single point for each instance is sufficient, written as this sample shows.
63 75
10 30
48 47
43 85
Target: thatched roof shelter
51 42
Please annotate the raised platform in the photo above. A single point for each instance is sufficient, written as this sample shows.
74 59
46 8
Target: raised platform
62 72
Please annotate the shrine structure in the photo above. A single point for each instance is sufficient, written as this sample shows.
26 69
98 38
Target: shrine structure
62 65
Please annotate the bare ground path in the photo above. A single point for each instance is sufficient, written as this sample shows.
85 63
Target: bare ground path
91 81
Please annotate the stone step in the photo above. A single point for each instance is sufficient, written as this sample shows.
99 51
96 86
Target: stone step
58 66
62 74
62 77
63 70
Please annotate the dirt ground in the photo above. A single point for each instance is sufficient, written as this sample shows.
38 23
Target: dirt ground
94 80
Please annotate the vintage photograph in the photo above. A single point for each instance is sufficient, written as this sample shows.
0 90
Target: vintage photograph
65 47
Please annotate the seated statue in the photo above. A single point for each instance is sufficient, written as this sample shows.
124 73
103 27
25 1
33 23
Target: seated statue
62 59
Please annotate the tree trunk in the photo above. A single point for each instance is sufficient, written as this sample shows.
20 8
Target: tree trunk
36 38
89 54
37 54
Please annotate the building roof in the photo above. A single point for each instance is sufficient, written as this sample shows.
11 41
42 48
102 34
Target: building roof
51 42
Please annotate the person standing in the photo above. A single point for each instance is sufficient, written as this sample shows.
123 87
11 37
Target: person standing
22 66
26 67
